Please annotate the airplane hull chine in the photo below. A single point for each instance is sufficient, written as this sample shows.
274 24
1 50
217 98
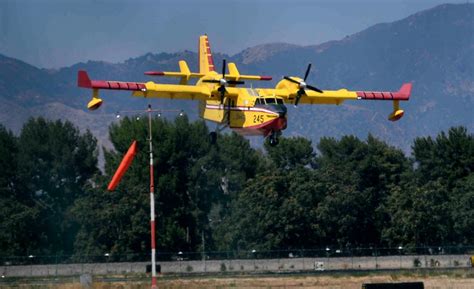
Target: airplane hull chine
263 129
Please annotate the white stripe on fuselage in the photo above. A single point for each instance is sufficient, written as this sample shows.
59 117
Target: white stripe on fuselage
241 108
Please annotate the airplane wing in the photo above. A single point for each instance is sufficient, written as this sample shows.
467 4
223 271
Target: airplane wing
174 91
337 96
140 89
289 92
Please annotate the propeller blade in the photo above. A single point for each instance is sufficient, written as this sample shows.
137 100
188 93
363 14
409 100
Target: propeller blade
291 79
314 88
307 72
211 81
223 68
222 90
235 82
298 96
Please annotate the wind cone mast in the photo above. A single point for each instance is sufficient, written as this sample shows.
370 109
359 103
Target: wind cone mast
152 204
126 162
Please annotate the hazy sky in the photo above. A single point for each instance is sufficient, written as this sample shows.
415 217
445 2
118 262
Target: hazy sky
55 33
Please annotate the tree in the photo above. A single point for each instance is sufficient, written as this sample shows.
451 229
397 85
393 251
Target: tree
55 161
15 216
449 157
192 178
357 177
217 178
275 209
432 205
291 152
420 215
462 210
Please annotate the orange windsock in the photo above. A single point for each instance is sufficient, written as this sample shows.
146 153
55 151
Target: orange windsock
126 162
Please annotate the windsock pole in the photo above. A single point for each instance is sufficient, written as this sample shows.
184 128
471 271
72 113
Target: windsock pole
152 204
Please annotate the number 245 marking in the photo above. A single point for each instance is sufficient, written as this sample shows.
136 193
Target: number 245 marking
258 119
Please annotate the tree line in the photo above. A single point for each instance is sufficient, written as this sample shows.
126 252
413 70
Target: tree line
344 192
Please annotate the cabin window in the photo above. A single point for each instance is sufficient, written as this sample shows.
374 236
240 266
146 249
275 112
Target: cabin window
279 101
270 100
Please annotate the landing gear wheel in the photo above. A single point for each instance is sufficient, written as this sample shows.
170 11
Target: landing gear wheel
273 139
213 137
273 142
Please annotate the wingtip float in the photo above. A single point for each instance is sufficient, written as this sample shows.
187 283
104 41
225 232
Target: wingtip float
247 110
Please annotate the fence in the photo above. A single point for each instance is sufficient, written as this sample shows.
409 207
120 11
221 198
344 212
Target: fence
325 259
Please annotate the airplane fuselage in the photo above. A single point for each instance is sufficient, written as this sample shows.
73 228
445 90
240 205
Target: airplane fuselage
260 115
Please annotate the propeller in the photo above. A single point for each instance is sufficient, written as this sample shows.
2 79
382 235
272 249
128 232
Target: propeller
302 85
223 82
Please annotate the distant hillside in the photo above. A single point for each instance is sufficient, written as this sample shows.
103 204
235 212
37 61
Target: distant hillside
434 49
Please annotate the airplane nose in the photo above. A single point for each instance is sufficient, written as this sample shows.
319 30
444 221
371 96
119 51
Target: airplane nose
282 111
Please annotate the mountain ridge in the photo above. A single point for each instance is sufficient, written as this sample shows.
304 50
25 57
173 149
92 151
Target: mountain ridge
433 48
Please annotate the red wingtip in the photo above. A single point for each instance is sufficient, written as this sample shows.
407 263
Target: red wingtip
264 77
83 79
405 90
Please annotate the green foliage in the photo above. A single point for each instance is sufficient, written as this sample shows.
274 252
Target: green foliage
47 167
434 204
462 210
229 196
291 152
448 157
193 182
356 177
419 215
14 214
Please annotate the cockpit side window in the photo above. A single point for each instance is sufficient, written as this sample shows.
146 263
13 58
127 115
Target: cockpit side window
279 101
270 100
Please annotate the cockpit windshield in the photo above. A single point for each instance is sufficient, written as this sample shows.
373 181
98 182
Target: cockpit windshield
268 100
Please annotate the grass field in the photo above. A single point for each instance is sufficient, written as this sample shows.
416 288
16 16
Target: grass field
432 280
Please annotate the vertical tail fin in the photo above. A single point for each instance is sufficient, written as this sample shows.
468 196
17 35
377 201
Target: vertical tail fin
206 62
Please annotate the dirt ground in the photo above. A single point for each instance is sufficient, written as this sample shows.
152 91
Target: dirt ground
454 281
314 282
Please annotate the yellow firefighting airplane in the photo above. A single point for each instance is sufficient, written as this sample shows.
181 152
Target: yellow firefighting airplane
249 111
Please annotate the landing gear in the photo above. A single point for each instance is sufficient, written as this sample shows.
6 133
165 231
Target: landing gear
273 138
213 134
213 137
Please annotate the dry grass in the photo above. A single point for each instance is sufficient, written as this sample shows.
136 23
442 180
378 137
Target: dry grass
258 282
